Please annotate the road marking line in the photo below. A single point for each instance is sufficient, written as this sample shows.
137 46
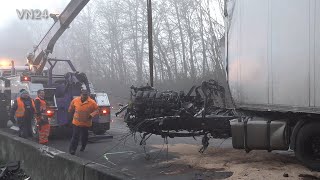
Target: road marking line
124 152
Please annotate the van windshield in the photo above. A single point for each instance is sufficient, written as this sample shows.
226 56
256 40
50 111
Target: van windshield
35 87
6 73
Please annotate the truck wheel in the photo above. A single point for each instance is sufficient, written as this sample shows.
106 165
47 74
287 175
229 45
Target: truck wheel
35 130
308 146
100 128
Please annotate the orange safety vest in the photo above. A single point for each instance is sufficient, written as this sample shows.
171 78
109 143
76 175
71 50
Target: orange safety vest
21 110
43 105
82 111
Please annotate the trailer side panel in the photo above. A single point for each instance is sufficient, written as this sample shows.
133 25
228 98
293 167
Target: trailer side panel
274 53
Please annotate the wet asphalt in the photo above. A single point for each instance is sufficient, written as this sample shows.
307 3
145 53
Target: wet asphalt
121 151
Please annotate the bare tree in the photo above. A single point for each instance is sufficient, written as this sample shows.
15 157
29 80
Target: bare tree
108 41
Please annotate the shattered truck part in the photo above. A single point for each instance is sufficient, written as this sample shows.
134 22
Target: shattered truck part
176 126
12 171
202 111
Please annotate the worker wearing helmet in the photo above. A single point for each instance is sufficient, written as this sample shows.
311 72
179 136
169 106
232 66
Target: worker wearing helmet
23 109
42 121
84 109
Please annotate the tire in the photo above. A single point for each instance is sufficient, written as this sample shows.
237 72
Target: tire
100 128
308 146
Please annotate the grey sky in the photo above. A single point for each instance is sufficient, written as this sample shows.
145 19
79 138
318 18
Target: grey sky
15 40
8 8
17 37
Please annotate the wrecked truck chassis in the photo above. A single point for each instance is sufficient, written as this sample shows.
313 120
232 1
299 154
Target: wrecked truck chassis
202 111
175 126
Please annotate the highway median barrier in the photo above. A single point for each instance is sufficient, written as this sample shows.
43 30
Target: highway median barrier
43 162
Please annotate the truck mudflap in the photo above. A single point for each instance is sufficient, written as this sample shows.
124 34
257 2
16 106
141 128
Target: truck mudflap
101 123
101 119
99 128
256 134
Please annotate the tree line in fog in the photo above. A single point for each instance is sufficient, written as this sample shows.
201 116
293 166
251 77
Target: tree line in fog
109 42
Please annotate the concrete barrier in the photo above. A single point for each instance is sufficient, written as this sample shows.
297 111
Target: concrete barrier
42 162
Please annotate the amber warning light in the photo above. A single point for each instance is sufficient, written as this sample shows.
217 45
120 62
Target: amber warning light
25 78
50 113
105 111
5 63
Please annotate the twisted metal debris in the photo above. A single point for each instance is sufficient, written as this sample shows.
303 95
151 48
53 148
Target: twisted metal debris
201 111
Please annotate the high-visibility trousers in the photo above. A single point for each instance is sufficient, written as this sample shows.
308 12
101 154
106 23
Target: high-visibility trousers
44 131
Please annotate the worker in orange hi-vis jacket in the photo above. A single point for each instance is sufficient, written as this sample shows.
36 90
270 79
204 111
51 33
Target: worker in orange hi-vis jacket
42 121
23 110
84 109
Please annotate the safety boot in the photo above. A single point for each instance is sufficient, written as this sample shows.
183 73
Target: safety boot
82 148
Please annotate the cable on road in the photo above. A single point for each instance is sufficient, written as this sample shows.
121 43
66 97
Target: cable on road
222 142
123 139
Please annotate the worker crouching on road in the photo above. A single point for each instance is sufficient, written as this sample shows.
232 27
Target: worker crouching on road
23 109
42 120
84 109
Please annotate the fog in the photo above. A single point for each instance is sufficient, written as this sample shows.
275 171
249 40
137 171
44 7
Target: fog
108 41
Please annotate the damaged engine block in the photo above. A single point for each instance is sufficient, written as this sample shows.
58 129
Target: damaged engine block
201 111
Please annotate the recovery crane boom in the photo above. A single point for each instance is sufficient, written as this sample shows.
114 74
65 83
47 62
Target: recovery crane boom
38 58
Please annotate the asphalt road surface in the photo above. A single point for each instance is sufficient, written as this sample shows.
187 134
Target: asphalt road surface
123 152
154 160
180 159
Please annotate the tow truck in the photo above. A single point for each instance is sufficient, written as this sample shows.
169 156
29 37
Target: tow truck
60 89
6 68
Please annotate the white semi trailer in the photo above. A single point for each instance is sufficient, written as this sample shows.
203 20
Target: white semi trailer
273 69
